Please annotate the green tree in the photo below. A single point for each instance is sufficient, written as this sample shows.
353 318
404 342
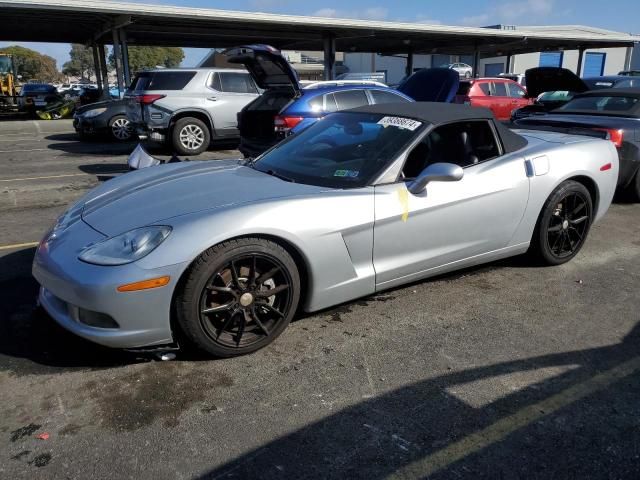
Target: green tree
81 63
32 65
141 58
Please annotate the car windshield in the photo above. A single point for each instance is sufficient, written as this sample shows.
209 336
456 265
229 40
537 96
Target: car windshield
343 150
556 96
604 104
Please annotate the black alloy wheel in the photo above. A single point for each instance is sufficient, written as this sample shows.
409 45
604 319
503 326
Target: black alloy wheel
243 301
563 224
568 225
238 296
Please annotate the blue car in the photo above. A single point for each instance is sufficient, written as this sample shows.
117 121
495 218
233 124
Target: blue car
285 107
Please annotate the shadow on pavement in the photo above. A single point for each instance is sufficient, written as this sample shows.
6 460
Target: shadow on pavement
580 423
27 332
70 143
104 171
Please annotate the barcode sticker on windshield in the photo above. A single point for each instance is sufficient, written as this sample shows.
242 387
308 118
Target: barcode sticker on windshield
399 122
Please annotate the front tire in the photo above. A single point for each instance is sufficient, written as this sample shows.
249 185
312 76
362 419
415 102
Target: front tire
563 224
190 136
238 297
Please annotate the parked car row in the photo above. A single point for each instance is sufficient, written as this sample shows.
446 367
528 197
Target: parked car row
265 102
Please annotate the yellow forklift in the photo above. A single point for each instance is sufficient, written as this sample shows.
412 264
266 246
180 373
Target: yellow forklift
8 91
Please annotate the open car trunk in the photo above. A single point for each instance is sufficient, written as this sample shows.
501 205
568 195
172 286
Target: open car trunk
256 121
278 79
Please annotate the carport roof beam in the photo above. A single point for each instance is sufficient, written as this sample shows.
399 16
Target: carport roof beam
82 21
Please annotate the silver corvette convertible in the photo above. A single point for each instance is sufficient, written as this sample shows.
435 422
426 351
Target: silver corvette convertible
223 254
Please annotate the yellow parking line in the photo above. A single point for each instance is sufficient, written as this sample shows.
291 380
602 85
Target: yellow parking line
18 245
506 426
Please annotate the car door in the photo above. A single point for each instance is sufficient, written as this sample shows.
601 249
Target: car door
230 92
518 96
500 100
481 95
416 235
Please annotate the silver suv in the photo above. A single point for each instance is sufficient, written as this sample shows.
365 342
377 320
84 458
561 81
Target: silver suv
189 108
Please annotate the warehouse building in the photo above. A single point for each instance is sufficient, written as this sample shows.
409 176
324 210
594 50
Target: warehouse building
596 62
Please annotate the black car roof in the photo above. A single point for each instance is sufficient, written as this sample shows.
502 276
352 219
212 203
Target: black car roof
429 112
611 92
610 78
633 112
438 113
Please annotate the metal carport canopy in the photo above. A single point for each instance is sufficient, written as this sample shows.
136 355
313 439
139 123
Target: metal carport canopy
84 21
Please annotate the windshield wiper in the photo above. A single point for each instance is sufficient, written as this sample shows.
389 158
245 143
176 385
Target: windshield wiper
281 177
249 162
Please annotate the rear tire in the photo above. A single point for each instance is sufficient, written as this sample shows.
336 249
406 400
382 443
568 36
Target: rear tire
238 297
563 224
633 189
190 136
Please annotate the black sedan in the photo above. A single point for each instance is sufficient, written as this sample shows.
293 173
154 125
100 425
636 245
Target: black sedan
611 113
108 117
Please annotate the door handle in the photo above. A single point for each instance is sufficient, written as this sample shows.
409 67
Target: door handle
213 99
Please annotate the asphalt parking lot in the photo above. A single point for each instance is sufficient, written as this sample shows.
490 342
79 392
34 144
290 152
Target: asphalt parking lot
503 371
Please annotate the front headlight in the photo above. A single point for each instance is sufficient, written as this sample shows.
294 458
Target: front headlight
94 113
127 247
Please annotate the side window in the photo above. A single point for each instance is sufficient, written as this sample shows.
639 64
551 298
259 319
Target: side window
350 99
235 82
330 103
485 88
214 82
169 80
380 96
516 91
463 143
499 89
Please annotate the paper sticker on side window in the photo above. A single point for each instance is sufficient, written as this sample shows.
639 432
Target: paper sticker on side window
399 122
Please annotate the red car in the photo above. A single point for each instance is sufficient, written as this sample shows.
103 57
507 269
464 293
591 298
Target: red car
500 95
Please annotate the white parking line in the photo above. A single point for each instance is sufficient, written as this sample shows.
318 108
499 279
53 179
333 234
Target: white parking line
44 178
28 150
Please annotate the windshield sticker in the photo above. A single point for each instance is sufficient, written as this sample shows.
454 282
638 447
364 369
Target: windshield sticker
346 173
399 122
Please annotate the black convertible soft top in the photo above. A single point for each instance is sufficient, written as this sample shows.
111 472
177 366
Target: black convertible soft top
441 113
633 112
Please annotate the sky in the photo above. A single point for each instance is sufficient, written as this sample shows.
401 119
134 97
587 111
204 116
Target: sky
596 13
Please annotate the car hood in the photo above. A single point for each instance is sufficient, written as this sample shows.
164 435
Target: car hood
266 65
431 85
549 79
153 195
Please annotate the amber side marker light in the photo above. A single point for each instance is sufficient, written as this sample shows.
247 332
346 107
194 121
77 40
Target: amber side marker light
145 284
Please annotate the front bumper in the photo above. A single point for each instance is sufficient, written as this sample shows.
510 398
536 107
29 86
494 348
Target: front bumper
69 286
89 125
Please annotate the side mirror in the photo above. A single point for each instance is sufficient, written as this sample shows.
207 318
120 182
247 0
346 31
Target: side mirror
436 172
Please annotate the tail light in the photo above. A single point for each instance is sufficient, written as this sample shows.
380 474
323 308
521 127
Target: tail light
148 99
615 135
283 123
